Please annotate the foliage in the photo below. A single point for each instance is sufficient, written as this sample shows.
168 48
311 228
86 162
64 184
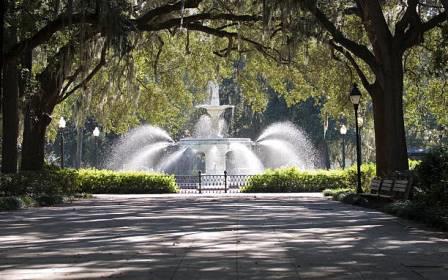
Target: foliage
294 180
15 202
432 178
8 203
413 164
49 186
431 215
105 181
49 181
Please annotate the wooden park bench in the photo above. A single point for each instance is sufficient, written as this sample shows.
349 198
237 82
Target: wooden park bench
398 187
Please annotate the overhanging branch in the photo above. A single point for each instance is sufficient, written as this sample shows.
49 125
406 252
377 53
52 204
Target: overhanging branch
358 50
44 34
166 9
355 65
90 76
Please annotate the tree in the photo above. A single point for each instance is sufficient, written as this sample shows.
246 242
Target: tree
391 29
108 19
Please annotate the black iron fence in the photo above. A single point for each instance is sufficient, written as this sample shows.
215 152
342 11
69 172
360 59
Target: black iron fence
203 183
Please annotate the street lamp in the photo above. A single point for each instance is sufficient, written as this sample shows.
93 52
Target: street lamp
96 133
355 96
62 124
343 131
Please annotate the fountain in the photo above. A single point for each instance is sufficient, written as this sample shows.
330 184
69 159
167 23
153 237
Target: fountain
151 148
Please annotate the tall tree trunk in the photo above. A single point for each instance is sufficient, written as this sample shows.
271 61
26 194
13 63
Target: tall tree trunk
35 127
24 87
41 106
390 137
3 8
10 112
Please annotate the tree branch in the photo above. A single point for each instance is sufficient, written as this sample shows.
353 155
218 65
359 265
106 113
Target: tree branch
414 35
175 22
225 34
166 9
410 17
156 62
71 79
44 34
355 65
360 51
89 77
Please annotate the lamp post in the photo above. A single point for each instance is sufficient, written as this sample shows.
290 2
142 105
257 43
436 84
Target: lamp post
343 131
355 96
62 124
96 134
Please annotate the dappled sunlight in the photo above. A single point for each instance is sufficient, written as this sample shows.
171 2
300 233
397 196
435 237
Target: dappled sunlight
238 236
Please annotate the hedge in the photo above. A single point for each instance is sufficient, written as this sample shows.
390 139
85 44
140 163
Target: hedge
294 180
49 181
67 182
106 181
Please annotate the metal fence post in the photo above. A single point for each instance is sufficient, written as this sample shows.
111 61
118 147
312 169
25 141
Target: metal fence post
200 183
225 181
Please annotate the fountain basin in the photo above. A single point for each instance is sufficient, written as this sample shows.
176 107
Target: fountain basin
215 151
194 142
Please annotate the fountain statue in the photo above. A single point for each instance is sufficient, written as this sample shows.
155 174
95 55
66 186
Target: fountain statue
209 151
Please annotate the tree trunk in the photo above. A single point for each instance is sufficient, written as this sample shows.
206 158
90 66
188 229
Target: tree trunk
41 106
390 137
35 126
3 8
10 112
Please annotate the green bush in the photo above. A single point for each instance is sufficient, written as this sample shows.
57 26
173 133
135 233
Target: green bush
368 171
432 178
49 200
294 180
50 181
417 210
15 202
105 181
48 186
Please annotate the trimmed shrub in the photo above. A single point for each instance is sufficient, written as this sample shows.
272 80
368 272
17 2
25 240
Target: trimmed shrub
368 171
105 181
48 186
50 181
294 180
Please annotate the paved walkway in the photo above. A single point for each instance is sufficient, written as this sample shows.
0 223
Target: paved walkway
216 237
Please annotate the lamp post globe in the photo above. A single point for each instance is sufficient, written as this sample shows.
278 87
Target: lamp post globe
360 121
96 134
355 95
62 123
355 98
343 131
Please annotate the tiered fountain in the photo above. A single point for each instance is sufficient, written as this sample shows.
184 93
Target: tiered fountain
151 148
